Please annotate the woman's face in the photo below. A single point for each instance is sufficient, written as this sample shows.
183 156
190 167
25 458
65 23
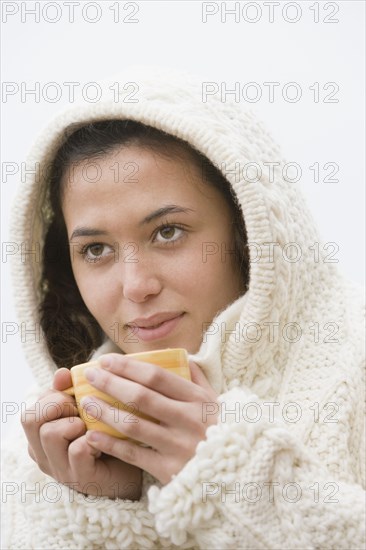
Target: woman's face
151 248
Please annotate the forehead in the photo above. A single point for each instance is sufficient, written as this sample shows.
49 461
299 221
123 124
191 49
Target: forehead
135 172
132 181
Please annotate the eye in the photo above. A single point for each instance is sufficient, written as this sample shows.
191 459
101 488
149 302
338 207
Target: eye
168 231
95 252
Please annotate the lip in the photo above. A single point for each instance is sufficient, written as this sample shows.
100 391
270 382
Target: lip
146 333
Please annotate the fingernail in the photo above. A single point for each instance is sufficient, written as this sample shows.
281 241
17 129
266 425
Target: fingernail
90 374
93 436
85 401
105 362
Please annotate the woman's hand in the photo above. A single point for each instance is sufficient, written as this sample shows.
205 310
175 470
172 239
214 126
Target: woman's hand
179 405
57 443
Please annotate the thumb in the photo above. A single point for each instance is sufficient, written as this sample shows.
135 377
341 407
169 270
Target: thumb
62 379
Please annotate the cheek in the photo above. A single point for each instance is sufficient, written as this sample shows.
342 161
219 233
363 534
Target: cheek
98 296
204 282
202 270
219 273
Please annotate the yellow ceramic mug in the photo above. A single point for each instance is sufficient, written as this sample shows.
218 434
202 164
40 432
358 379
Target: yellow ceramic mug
175 360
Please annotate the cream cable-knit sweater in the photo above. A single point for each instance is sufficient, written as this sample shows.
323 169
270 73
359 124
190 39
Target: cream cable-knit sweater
284 468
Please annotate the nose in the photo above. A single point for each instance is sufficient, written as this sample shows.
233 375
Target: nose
140 279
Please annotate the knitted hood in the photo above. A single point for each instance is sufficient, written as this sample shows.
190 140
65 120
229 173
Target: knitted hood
292 285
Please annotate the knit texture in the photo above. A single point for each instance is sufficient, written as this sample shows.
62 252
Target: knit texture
284 466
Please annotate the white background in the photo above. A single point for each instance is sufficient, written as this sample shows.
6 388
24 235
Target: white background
173 34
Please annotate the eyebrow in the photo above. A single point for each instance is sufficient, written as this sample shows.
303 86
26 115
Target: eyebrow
169 209
86 232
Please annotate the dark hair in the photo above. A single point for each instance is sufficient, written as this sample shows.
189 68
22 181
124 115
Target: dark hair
71 332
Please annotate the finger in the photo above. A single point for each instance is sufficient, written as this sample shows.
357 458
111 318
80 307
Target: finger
152 376
198 376
141 398
128 424
31 453
54 405
55 438
82 458
46 393
127 451
62 379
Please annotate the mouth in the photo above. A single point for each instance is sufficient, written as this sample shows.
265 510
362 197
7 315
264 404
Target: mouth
154 332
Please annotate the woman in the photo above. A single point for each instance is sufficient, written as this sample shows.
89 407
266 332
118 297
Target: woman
155 233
